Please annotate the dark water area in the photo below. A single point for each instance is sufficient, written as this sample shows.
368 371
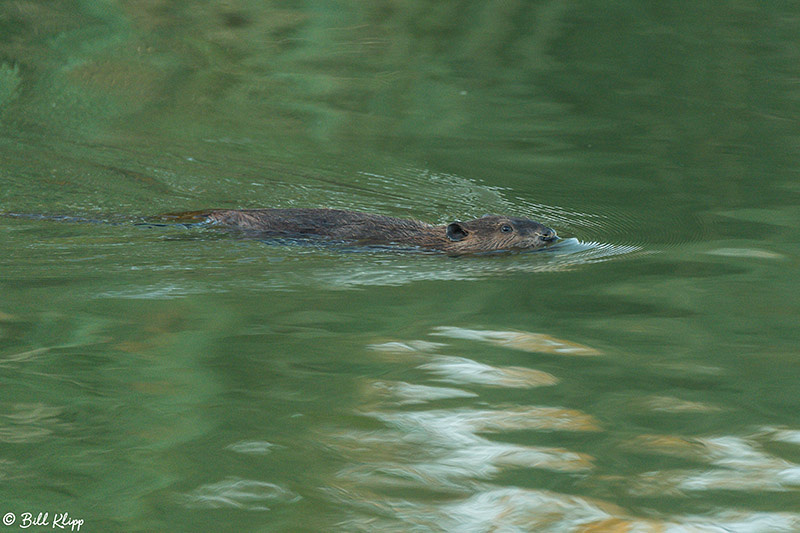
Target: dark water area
643 374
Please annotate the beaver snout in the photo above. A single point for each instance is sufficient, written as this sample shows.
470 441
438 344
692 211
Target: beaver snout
548 234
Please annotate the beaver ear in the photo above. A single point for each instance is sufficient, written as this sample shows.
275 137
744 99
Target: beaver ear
456 232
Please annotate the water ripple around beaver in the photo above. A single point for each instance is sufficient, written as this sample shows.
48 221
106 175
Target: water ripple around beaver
395 267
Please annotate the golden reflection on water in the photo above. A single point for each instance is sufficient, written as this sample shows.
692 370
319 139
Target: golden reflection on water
730 463
446 450
431 464
519 340
402 393
669 404
462 370
461 424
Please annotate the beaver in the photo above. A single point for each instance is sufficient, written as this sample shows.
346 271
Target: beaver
490 233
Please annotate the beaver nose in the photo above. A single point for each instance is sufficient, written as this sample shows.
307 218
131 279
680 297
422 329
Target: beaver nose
548 235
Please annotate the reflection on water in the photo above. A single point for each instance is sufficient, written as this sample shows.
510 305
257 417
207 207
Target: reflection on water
783 435
26 423
670 404
247 494
462 370
520 340
401 393
519 509
639 375
458 453
729 463
254 447
447 450
745 252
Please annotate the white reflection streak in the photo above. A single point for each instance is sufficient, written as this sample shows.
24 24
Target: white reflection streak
441 449
516 509
462 370
513 509
740 466
452 426
446 451
410 346
401 393
519 340
791 436
239 493
252 447
449 469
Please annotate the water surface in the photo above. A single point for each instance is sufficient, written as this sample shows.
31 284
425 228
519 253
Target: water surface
641 374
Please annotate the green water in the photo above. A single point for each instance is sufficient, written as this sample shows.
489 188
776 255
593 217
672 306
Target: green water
642 375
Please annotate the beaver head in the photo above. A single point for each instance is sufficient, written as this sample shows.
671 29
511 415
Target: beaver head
494 233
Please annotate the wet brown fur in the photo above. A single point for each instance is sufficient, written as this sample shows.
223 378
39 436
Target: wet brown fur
490 233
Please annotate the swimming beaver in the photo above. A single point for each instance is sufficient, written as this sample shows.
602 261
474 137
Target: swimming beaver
490 233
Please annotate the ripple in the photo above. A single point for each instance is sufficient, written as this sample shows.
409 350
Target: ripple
463 370
749 253
790 436
670 404
441 198
613 226
447 450
409 346
452 425
239 493
402 393
252 447
434 193
732 463
31 422
387 266
449 469
625 229
519 340
515 509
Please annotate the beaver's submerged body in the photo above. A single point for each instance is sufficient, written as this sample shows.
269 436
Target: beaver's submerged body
491 233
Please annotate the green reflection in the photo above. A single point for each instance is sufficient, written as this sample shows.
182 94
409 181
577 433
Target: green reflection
174 378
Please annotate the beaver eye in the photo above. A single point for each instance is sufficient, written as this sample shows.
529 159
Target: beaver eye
505 228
